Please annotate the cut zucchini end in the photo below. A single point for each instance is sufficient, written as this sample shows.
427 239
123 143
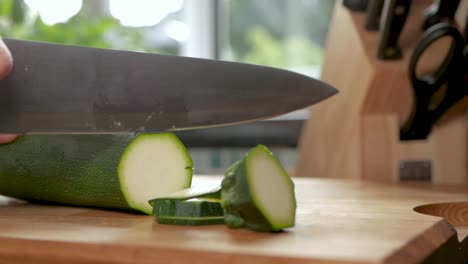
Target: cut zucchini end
271 188
153 165
258 194
205 191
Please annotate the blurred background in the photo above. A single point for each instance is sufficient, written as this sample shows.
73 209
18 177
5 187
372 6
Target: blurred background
285 34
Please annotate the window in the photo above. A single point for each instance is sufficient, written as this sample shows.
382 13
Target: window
285 34
143 25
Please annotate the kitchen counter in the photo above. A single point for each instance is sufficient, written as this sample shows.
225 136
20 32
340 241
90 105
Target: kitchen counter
338 221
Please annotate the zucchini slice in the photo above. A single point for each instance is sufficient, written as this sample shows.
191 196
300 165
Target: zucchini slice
187 208
257 193
198 205
107 171
188 212
200 191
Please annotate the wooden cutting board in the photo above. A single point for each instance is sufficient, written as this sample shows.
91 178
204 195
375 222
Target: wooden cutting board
337 222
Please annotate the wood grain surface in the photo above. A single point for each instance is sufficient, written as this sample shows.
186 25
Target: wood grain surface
338 221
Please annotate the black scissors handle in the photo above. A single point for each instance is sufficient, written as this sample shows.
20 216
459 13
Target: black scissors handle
454 57
440 11
450 72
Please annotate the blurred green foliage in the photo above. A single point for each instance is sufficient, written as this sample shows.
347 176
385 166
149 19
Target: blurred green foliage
17 21
279 33
297 51
264 48
276 33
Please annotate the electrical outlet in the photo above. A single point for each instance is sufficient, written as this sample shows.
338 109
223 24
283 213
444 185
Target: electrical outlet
416 170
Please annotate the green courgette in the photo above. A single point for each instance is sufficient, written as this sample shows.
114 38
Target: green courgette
107 171
198 205
258 194
188 208
196 211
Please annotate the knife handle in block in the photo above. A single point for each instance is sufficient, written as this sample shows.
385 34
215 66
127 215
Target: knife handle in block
440 11
355 5
374 12
393 19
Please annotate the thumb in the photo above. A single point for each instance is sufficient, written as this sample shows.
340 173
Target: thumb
6 60
5 138
6 64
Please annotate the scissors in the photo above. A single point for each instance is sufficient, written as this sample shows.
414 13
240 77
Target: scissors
450 75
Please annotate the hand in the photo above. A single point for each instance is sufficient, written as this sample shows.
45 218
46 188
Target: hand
6 64
5 138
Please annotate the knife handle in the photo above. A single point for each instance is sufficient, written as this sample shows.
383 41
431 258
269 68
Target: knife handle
374 12
393 19
355 5
465 29
440 11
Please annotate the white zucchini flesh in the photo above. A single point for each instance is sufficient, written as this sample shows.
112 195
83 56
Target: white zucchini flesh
152 167
271 189
258 194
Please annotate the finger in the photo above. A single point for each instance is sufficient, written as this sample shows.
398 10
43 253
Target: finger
6 64
6 60
6 138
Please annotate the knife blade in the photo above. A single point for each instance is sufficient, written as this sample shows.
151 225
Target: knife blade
55 88
440 11
394 15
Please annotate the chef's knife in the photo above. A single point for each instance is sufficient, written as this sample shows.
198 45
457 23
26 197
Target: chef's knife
374 11
57 88
440 11
393 19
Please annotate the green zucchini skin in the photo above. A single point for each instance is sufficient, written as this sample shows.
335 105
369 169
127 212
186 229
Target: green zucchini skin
187 208
239 208
70 169
197 205
80 170
191 221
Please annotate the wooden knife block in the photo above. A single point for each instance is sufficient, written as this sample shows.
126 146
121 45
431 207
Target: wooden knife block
355 134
